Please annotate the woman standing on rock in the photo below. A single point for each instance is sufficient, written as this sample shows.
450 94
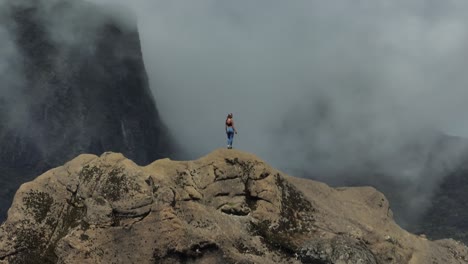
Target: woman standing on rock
230 130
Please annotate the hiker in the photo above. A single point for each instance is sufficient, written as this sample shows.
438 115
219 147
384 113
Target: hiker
230 130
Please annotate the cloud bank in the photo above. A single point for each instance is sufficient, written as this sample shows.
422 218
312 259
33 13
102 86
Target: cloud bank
366 68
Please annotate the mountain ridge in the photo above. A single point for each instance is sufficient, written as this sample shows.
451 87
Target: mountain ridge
226 207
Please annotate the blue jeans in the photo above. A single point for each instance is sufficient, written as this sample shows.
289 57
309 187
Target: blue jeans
230 135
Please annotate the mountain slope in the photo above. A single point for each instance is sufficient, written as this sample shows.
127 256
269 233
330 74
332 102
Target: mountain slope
447 215
81 87
227 207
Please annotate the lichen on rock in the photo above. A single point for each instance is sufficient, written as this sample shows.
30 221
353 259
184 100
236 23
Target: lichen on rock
38 203
227 207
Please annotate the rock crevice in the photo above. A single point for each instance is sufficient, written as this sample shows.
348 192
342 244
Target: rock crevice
108 209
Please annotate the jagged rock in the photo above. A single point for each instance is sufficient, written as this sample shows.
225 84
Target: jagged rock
340 249
227 207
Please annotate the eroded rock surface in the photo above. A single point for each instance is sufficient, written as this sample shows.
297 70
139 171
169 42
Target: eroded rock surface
227 207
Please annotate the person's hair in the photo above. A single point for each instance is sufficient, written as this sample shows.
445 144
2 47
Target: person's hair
229 115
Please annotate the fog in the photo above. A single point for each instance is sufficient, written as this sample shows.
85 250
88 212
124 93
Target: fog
375 69
319 89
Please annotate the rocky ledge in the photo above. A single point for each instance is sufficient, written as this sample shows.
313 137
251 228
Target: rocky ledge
227 207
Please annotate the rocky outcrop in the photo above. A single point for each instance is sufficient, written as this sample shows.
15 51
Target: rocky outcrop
227 207
81 87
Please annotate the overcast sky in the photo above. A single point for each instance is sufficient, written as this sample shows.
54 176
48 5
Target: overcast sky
377 68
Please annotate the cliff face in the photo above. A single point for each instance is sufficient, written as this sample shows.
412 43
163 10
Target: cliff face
445 174
227 207
447 215
83 89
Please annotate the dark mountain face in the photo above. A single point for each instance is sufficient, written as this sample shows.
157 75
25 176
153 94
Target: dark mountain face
443 211
82 88
447 215
412 198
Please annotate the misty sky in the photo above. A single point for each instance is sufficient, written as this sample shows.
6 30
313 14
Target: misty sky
379 70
